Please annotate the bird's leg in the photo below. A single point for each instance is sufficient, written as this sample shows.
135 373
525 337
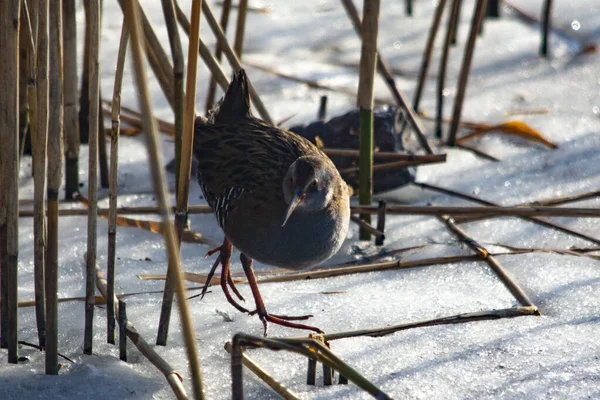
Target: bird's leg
225 251
260 305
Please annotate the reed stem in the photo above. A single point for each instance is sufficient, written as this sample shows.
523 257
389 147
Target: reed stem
478 15
94 107
111 260
71 121
366 95
9 175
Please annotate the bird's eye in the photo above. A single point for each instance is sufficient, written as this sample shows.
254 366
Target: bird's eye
315 183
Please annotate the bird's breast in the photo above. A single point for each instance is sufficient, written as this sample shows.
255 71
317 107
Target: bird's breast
308 238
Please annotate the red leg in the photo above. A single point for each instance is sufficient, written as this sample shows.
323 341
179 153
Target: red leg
224 256
260 305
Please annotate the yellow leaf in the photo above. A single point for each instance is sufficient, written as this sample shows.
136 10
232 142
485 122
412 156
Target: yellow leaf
516 128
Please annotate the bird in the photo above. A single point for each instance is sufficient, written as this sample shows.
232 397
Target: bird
277 197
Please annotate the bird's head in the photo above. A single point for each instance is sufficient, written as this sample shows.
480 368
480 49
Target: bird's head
308 185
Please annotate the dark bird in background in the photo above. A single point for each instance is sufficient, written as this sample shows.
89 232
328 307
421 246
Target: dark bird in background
277 197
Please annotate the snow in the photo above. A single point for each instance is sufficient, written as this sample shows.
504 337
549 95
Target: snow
555 355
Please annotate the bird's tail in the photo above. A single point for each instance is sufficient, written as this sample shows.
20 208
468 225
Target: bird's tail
236 102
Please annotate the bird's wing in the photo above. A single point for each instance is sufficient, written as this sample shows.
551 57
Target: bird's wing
245 159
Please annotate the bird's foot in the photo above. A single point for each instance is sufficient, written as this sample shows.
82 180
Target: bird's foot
226 280
284 320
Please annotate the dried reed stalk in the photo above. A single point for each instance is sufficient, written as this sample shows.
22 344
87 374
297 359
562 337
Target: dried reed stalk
368 228
100 300
111 260
240 28
264 376
567 199
158 174
182 158
212 86
55 152
102 153
454 319
546 13
498 211
9 175
233 59
134 118
214 66
178 75
478 15
538 221
94 106
39 140
172 376
330 272
506 279
396 165
386 155
384 70
156 55
485 211
84 112
435 24
71 121
366 90
70 212
477 152
24 44
548 202
441 78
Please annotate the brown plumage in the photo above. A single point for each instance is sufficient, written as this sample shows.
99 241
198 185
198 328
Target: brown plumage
277 197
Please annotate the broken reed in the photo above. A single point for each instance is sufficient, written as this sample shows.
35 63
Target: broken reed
158 173
366 94
113 185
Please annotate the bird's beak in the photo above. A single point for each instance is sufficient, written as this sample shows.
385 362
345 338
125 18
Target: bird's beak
298 198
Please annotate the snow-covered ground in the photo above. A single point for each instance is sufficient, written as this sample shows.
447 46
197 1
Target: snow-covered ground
556 355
